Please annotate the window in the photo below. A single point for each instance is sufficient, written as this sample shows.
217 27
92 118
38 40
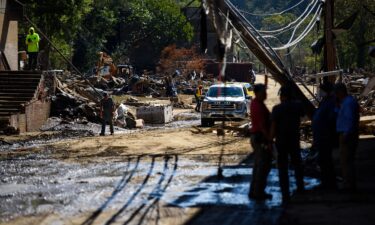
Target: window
225 92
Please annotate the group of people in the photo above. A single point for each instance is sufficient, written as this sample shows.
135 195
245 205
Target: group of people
336 118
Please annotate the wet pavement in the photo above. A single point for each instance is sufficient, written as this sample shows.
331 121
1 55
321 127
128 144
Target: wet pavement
131 189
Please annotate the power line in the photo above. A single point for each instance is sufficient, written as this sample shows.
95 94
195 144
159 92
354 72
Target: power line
303 34
302 17
273 14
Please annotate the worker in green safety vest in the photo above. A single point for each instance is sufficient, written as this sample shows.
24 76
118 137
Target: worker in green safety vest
32 43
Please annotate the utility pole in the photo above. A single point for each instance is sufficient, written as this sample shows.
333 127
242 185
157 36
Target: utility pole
329 47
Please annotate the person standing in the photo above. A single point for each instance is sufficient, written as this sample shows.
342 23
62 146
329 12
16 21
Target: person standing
32 43
107 108
198 95
286 119
260 130
324 135
347 126
252 76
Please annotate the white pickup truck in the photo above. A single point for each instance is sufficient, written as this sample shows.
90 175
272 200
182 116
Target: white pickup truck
225 102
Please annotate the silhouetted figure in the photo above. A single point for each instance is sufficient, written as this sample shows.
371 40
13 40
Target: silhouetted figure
106 113
286 119
348 128
260 130
324 135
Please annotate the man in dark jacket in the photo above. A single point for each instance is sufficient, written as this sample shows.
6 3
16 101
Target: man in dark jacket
286 119
107 108
324 135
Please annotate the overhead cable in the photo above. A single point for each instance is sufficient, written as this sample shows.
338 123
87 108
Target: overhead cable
302 17
303 34
273 14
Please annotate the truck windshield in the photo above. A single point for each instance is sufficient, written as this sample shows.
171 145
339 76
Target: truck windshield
225 92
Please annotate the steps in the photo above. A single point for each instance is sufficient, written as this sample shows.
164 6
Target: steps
16 89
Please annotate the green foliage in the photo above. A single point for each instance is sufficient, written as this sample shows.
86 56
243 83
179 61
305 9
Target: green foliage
124 28
352 45
133 29
58 20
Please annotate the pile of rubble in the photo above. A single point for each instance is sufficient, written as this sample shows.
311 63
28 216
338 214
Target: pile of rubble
78 97
360 83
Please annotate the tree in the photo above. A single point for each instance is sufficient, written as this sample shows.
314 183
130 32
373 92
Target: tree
59 20
353 45
133 29
186 60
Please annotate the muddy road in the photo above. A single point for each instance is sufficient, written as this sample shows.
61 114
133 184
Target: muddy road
158 176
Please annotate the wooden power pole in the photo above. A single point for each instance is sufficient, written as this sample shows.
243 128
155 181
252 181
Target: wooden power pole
329 47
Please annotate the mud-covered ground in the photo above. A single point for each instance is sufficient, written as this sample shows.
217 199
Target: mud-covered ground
156 175
131 179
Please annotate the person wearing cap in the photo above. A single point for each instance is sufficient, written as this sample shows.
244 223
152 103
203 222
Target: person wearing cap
107 109
198 95
286 120
32 43
347 126
260 131
324 135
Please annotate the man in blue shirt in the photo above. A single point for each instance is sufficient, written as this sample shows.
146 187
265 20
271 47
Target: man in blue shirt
347 126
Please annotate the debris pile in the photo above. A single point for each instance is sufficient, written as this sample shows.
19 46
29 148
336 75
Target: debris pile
78 98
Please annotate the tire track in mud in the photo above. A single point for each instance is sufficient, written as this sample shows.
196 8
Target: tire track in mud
161 192
156 194
121 186
161 179
135 194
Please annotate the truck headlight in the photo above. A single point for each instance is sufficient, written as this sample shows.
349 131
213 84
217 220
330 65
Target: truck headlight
204 106
239 106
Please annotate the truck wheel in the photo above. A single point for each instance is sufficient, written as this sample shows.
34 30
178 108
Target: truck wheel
207 122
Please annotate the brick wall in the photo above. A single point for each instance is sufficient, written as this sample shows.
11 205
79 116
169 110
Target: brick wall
37 113
18 121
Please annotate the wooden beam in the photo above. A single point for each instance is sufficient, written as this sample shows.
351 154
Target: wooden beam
329 47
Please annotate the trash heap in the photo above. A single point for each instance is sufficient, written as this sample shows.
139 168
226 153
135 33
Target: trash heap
78 97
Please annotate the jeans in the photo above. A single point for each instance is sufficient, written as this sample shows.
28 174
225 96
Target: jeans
283 165
106 120
348 145
262 166
33 60
327 169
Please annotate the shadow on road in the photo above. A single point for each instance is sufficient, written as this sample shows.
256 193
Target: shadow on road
121 186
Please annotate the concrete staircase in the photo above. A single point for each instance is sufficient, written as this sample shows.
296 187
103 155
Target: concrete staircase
16 89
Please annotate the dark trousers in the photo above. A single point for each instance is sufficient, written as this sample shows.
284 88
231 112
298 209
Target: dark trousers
33 60
198 106
262 166
327 169
282 160
106 120
348 145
